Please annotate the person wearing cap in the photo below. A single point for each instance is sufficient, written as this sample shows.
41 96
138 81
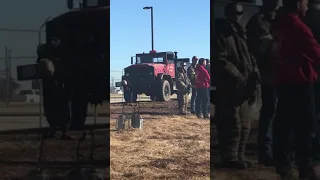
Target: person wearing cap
183 88
55 99
259 43
236 78
191 71
202 84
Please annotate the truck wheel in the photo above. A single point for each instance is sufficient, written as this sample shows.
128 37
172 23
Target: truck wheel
165 92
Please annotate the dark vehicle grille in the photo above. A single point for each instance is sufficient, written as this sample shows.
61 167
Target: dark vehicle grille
140 80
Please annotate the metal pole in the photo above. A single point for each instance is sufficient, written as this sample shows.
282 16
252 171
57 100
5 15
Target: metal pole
7 76
152 42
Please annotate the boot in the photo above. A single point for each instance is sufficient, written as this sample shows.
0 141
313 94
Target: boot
232 165
51 134
266 161
65 133
182 113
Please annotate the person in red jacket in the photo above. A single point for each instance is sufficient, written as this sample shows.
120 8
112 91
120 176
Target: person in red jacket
202 84
294 77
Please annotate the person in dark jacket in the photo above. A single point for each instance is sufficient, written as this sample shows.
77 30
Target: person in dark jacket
259 43
294 75
202 84
128 93
183 88
191 72
236 79
55 100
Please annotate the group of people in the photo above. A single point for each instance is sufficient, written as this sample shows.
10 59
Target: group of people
277 53
195 79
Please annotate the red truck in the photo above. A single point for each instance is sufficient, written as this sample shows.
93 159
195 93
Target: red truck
153 74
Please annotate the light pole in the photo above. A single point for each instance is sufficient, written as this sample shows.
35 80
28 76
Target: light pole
152 42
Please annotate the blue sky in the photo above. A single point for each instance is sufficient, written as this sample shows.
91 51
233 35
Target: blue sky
182 26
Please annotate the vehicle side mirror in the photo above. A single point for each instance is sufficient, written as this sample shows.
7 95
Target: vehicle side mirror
118 84
131 60
70 4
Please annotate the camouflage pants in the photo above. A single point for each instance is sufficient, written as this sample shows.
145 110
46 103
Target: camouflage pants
182 101
233 128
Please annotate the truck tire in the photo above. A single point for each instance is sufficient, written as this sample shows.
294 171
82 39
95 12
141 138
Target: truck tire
165 91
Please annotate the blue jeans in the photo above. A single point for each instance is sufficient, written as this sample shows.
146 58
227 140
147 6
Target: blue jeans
193 99
130 96
267 115
202 101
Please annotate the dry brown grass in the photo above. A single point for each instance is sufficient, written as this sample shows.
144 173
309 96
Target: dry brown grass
168 147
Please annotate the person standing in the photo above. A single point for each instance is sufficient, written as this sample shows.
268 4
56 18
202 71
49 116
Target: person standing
202 84
259 43
208 69
236 77
294 75
128 94
55 100
191 72
183 88
311 20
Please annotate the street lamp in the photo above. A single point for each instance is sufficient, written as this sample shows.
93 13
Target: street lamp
151 8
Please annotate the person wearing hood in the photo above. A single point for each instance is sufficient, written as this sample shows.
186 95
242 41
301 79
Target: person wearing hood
236 80
183 87
202 84
191 72
295 123
259 33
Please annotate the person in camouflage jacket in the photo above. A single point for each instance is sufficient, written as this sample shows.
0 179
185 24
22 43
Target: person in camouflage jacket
183 88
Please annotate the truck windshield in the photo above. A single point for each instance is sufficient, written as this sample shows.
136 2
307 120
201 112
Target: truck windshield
150 58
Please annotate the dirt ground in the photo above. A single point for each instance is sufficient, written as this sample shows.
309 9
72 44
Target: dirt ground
23 150
168 147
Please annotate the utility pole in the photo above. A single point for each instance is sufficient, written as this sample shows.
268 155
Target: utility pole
8 74
151 10
112 82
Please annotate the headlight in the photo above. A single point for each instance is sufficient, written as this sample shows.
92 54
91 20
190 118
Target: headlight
151 73
127 74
